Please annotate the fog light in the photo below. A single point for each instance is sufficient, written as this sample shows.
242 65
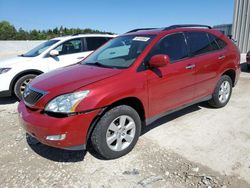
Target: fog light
56 137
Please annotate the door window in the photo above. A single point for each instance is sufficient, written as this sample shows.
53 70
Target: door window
70 47
213 42
198 43
95 42
173 45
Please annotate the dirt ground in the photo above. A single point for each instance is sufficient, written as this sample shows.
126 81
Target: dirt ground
195 147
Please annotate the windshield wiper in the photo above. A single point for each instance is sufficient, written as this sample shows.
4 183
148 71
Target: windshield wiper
98 64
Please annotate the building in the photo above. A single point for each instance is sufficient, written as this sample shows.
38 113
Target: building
241 24
226 29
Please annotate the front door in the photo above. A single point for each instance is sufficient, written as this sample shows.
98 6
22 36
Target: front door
171 86
70 52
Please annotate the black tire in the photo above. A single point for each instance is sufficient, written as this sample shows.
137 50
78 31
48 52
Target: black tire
20 84
98 137
215 101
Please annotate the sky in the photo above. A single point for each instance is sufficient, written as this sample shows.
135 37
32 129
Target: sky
114 15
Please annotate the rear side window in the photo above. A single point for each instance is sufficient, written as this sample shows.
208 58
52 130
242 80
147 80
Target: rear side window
221 43
95 42
172 45
215 41
198 43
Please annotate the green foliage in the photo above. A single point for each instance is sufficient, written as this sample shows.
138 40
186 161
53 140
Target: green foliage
9 32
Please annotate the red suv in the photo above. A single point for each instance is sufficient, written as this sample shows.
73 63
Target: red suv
128 83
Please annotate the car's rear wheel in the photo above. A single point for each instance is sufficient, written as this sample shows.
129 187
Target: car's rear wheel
117 132
21 84
222 92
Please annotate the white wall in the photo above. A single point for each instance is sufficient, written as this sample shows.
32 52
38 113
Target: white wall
12 48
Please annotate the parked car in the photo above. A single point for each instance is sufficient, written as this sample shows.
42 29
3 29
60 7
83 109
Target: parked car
16 73
248 60
128 83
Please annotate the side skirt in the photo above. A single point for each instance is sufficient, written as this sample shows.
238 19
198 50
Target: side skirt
151 120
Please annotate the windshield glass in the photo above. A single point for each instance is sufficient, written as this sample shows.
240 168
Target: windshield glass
40 48
120 52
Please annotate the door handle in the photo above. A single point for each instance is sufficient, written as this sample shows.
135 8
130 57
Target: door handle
221 57
190 66
80 57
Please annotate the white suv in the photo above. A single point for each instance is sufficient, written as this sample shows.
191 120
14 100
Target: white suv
16 73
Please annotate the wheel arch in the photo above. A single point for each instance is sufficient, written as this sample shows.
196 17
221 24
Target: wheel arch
232 74
133 102
20 74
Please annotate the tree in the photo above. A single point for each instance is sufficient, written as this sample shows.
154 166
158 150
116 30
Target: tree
7 31
22 35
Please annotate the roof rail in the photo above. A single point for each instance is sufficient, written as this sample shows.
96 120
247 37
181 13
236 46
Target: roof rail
140 29
186 25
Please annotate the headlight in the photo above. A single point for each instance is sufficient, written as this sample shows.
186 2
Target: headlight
66 103
4 70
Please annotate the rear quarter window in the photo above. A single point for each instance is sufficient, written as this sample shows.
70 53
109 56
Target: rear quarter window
95 42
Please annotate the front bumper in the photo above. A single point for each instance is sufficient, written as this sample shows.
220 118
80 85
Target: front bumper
5 81
40 125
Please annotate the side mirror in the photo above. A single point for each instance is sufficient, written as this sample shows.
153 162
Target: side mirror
160 60
53 53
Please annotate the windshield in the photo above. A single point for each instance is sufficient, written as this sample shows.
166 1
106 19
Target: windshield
40 48
120 52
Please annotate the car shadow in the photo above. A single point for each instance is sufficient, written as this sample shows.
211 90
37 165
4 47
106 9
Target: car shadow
55 154
172 117
244 68
60 155
8 100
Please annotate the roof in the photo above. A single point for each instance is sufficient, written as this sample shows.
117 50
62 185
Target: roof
153 31
83 35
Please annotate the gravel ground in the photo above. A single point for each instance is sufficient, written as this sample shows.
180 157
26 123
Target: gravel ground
195 147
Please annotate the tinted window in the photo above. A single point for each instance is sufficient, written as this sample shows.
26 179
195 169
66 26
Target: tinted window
94 42
221 43
198 43
173 45
70 46
213 42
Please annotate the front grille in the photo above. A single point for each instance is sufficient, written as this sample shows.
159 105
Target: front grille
32 95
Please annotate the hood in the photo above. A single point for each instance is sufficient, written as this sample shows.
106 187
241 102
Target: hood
71 78
12 61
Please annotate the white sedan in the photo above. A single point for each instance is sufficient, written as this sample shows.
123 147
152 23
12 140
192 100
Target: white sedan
17 72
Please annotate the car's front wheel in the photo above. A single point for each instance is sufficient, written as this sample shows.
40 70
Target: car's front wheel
117 132
222 92
21 84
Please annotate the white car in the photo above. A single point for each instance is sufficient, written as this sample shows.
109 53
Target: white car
17 72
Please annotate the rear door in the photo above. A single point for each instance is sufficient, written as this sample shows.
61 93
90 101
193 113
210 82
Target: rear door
207 56
173 85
